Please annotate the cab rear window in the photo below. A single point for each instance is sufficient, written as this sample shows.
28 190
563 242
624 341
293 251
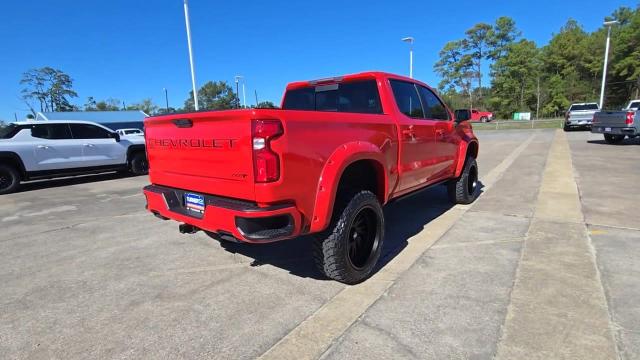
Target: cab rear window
350 97
583 107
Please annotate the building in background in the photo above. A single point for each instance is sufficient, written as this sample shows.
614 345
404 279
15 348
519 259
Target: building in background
114 120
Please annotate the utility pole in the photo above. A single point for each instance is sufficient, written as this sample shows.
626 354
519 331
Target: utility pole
193 73
608 24
410 40
166 99
538 102
256 92
244 96
237 80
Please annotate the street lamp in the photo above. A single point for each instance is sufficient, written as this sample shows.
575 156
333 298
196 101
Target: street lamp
608 24
166 98
193 73
237 78
410 40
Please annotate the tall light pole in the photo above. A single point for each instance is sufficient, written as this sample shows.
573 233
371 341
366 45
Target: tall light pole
608 24
193 73
166 98
410 40
237 79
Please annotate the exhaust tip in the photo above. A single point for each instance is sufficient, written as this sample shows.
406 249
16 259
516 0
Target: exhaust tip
187 229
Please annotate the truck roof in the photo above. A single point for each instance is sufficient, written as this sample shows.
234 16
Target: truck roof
350 77
38 122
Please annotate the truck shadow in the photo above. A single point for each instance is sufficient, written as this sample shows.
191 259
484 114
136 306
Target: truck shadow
404 219
634 141
67 181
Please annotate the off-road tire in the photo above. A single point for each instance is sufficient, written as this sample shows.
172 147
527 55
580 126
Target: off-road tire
613 139
331 248
139 164
9 179
464 189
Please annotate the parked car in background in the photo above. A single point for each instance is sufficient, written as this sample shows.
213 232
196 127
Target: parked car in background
481 116
34 150
325 164
130 132
580 116
616 125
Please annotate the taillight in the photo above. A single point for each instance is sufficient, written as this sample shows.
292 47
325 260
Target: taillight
266 163
629 119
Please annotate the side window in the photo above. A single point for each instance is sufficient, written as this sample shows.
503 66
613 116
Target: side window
300 99
86 131
433 107
51 131
407 98
359 97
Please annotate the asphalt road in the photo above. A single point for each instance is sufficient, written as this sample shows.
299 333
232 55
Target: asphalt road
85 272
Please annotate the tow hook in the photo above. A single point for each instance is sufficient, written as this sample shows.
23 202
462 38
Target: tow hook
187 229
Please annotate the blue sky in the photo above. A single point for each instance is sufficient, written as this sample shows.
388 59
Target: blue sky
132 49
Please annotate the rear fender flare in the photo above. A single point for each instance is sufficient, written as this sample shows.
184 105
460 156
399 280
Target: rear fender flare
334 167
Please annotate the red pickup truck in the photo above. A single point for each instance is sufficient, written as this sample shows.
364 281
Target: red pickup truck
481 116
324 164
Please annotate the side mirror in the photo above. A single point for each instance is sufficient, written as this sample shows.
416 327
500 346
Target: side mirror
116 136
462 115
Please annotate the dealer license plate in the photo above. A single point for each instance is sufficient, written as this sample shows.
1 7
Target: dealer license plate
194 202
607 129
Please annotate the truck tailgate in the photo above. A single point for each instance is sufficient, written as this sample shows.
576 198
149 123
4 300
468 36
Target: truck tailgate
610 118
208 152
581 115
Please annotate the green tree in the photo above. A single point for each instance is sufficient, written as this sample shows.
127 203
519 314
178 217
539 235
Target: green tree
50 88
503 34
146 105
266 105
477 43
515 76
213 95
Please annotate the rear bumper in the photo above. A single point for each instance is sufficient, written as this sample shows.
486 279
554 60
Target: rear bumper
243 220
578 122
599 129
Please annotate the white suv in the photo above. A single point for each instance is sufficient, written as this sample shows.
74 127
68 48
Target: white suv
47 149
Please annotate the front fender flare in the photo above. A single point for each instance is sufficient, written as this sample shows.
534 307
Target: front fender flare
462 154
334 167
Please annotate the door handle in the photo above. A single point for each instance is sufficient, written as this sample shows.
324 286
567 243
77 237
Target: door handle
409 133
42 147
89 145
440 132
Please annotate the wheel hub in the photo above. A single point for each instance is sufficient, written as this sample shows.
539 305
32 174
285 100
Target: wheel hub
362 238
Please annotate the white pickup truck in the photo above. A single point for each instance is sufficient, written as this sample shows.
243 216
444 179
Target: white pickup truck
47 149
616 125
580 115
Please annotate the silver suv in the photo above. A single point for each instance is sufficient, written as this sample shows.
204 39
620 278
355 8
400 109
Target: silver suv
48 149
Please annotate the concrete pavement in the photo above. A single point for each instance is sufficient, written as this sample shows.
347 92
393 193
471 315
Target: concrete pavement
86 273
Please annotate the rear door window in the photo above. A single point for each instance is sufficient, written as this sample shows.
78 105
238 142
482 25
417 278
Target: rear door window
350 97
51 131
433 107
88 131
407 98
